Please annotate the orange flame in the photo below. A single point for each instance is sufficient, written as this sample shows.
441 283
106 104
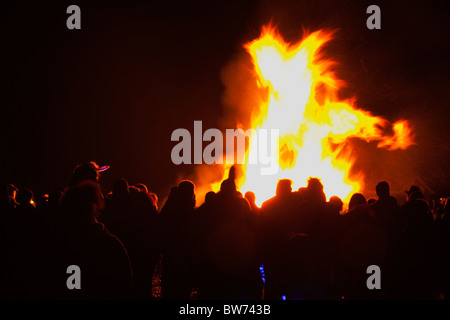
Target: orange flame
314 124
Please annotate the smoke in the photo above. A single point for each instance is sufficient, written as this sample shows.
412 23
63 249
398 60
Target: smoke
239 103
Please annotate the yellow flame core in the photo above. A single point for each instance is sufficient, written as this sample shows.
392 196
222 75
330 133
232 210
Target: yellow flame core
302 103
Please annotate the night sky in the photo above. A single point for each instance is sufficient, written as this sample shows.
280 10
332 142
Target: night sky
114 91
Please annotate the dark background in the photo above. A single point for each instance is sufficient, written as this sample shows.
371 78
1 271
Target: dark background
115 90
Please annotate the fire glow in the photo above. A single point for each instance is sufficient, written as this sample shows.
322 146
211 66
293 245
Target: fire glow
314 124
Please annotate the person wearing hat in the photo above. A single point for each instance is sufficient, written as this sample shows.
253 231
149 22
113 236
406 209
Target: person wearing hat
86 171
412 190
416 212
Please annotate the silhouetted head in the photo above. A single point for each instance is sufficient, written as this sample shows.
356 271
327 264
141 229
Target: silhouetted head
336 203
24 196
315 184
250 196
382 190
315 190
284 187
185 192
228 188
416 195
413 189
87 171
120 187
142 187
371 201
209 196
356 200
83 202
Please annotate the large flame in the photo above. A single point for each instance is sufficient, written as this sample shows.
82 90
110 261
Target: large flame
314 124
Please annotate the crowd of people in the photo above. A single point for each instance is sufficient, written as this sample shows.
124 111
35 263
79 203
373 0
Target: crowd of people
297 245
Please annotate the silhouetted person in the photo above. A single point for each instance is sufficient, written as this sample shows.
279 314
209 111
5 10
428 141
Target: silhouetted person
315 192
228 261
335 204
413 189
321 226
132 217
283 193
414 254
358 210
385 208
86 171
209 196
363 243
178 242
277 224
251 198
324 250
105 267
416 212
143 245
310 205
